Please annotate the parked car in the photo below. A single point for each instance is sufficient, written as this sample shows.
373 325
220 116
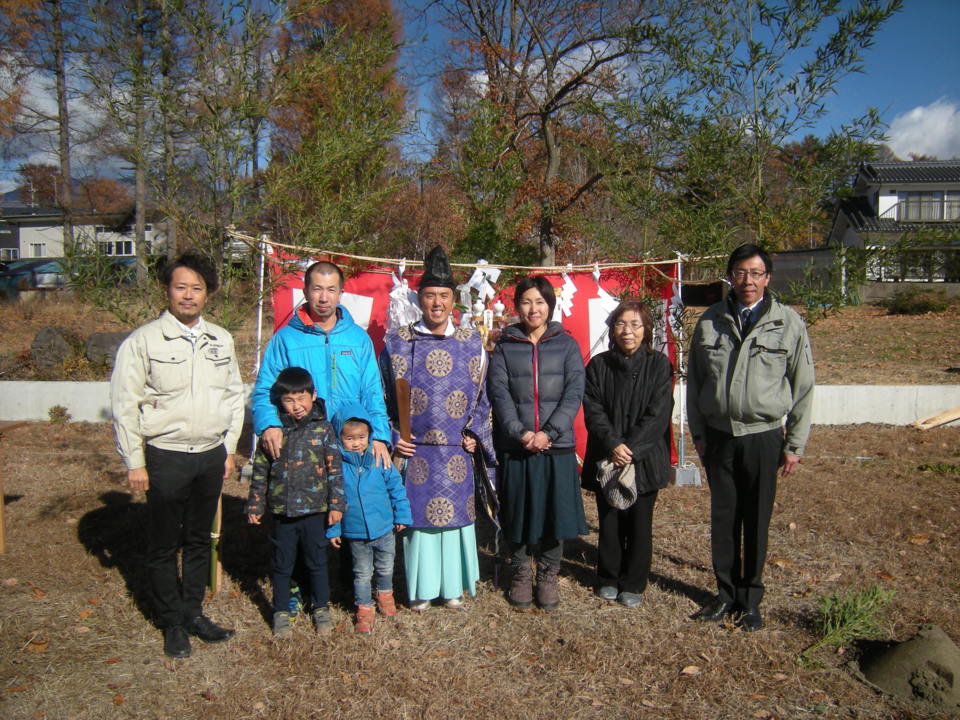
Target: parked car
33 274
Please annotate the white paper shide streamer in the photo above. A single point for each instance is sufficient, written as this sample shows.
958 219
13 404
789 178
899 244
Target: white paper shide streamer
403 308
480 282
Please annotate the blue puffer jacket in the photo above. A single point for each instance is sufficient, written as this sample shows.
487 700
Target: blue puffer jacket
376 499
535 387
342 363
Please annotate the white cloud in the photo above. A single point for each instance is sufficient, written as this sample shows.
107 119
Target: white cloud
36 140
932 129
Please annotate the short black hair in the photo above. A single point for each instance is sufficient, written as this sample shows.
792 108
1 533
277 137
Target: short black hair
541 285
196 261
324 267
290 381
747 251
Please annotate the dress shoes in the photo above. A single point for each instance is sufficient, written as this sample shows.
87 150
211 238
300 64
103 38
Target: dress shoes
607 592
714 612
176 644
207 630
751 620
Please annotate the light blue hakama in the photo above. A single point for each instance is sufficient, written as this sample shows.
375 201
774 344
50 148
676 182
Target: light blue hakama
441 563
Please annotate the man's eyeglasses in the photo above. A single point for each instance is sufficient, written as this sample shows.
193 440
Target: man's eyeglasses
622 325
753 274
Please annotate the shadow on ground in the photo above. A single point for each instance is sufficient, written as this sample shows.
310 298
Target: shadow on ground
114 534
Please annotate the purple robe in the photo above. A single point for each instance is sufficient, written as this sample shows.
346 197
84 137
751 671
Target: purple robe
447 397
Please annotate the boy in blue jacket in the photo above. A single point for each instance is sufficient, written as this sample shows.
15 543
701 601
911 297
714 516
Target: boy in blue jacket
303 490
377 506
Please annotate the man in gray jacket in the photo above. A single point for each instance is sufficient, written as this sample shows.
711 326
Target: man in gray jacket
178 411
749 395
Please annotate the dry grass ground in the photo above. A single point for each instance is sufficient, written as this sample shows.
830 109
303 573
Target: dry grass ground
74 642
866 345
859 345
20 323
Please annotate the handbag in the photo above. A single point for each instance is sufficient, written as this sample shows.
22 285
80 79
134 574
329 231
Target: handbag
618 484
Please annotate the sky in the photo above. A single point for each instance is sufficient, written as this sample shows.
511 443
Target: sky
912 77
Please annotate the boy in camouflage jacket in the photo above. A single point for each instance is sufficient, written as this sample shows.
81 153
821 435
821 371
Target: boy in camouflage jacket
303 491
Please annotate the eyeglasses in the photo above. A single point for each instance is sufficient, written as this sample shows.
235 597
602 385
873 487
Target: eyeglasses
623 325
742 274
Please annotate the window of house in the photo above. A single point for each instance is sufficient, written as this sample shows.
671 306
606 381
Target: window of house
38 250
106 248
926 205
9 253
951 205
124 247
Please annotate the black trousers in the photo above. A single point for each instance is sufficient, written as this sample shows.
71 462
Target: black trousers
625 545
308 534
549 552
181 504
742 473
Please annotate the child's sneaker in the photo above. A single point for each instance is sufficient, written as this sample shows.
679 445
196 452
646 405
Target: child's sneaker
386 604
365 617
296 599
321 621
281 624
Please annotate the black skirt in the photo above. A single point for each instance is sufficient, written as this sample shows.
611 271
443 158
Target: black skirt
540 497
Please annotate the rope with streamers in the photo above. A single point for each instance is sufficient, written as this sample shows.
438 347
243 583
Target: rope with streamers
255 243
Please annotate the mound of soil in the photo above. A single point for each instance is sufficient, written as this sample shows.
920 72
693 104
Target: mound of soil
924 668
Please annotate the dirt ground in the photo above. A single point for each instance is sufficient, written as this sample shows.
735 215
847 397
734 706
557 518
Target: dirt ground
858 346
865 345
871 505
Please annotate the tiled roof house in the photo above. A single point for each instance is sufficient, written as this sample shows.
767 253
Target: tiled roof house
896 200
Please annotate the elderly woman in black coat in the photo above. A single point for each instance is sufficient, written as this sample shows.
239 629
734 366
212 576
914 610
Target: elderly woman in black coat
535 385
627 405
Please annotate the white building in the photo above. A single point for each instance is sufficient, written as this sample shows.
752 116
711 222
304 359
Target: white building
912 208
34 232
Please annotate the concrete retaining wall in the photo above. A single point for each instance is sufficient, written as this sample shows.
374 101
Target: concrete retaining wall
85 401
887 404
833 404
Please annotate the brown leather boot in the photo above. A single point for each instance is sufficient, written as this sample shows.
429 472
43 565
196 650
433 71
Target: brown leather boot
548 595
521 586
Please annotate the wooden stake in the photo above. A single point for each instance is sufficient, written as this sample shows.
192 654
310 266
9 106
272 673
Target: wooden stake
5 427
216 567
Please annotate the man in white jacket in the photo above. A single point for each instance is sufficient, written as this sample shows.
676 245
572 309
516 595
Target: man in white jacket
178 410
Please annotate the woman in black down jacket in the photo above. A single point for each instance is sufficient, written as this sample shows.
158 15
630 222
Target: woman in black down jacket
535 385
627 405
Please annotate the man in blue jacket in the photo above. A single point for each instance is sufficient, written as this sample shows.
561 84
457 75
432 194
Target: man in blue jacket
323 338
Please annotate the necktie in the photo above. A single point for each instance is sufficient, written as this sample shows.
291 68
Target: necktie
746 321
